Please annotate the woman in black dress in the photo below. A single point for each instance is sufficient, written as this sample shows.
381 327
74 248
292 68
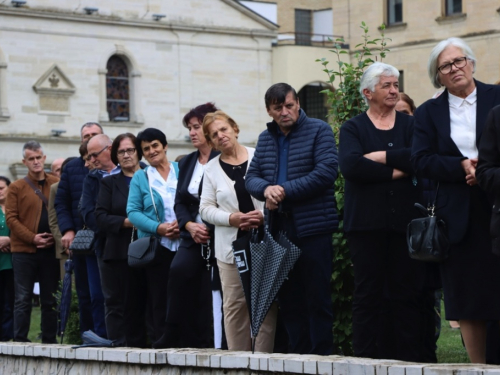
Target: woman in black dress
447 132
380 191
188 322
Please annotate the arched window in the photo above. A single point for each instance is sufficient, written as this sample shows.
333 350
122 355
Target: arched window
117 89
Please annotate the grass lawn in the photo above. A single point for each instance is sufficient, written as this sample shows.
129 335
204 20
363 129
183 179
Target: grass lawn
35 329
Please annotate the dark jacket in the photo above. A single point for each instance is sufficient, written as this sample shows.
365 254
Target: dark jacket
186 206
437 157
312 170
373 200
488 171
90 191
110 213
68 196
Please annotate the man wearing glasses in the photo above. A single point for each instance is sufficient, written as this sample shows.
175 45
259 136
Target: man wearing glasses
67 199
99 154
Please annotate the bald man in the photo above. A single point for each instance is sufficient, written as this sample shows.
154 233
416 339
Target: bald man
56 166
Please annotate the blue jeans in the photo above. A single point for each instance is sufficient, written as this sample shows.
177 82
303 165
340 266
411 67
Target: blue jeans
97 298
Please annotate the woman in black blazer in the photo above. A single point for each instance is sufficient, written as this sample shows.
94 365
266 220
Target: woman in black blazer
380 191
123 287
188 322
447 133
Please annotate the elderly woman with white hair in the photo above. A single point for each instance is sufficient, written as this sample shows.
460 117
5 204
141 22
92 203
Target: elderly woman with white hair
374 157
445 149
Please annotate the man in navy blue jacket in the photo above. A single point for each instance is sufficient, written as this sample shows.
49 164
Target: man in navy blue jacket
69 220
294 170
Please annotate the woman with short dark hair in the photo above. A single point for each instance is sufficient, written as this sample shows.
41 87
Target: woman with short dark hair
122 286
150 208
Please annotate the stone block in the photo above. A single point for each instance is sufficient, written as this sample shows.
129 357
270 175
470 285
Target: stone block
294 365
438 370
215 360
134 356
361 368
415 369
235 360
18 349
326 368
191 359
396 370
310 366
176 359
82 353
29 351
276 364
203 360
68 352
160 358
95 354
115 355
41 351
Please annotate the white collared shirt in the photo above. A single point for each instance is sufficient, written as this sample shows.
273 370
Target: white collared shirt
167 190
463 123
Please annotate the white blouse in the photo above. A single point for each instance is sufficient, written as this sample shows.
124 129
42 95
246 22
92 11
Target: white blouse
463 123
167 190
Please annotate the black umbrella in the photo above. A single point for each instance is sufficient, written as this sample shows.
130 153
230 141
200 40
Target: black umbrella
263 265
65 302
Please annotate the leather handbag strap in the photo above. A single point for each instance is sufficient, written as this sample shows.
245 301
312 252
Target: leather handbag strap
37 191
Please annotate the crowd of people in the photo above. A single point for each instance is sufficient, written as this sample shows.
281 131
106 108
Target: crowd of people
391 156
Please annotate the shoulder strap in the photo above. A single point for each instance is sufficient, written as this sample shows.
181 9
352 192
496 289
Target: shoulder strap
152 196
37 191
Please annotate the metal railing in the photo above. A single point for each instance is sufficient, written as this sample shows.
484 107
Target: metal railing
306 39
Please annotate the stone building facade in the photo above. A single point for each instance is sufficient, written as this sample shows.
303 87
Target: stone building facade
415 27
54 57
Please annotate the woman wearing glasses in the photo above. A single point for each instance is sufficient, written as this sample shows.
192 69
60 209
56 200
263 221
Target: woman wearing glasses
121 285
445 149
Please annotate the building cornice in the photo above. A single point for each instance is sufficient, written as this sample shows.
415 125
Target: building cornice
51 14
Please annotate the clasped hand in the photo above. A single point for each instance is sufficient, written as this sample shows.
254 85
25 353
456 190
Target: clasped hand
169 230
274 194
250 220
43 240
198 231
469 166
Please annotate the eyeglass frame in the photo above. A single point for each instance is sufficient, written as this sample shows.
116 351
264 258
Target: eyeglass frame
96 154
453 63
129 151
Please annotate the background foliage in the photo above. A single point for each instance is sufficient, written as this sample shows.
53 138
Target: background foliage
345 102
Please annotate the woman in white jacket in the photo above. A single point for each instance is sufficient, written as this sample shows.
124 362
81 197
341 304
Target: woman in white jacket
226 204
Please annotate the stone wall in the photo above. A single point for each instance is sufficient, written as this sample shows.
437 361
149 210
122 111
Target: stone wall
34 359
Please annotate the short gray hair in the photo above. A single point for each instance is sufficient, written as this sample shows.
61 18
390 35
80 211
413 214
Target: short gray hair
371 76
88 125
32 146
432 65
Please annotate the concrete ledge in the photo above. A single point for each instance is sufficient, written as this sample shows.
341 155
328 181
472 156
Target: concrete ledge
22 358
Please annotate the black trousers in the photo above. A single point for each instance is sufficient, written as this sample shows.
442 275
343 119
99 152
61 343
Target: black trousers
157 277
305 298
383 271
6 305
44 267
189 313
125 302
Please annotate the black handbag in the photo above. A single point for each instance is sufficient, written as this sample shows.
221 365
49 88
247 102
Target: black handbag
83 243
427 237
146 251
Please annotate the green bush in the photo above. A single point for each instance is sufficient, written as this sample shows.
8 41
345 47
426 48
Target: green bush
345 102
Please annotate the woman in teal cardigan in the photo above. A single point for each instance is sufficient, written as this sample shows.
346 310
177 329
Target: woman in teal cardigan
157 218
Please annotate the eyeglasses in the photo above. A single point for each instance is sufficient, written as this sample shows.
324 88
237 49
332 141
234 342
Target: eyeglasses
128 151
95 154
459 63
